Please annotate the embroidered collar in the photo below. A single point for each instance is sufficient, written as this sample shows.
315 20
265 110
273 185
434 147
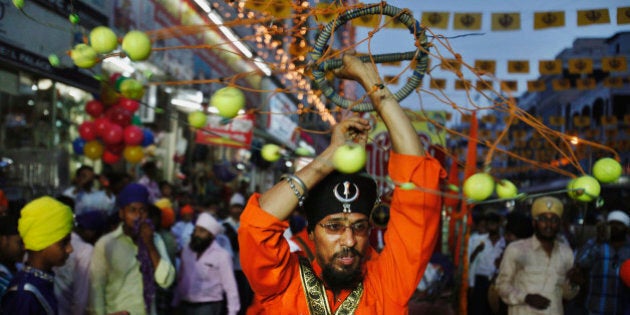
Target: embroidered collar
40 273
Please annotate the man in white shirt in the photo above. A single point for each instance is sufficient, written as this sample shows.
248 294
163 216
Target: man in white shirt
128 262
72 279
483 260
534 273
206 273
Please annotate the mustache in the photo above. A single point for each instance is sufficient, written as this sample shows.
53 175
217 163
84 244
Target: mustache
347 251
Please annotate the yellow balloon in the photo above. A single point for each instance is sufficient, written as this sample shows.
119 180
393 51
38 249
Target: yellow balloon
93 149
133 154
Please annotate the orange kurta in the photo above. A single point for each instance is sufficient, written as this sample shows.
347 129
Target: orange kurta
391 276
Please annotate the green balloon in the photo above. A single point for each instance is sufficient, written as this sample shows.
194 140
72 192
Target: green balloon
119 81
74 18
54 60
136 121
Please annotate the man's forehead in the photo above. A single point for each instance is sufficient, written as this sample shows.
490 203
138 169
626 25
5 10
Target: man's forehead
345 216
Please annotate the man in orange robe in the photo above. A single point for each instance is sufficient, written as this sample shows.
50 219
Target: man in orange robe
347 276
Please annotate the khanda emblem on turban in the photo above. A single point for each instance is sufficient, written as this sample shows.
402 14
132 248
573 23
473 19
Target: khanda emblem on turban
345 197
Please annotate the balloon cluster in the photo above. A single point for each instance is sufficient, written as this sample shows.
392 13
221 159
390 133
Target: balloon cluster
102 40
114 130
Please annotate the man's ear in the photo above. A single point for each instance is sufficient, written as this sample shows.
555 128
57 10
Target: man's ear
311 235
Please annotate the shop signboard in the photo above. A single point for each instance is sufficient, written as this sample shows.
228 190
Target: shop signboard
236 134
279 121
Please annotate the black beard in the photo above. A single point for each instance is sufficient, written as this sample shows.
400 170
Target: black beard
345 279
199 245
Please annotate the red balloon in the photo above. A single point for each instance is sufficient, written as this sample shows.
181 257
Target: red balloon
116 148
110 157
120 116
101 125
624 272
113 135
129 104
87 131
133 135
94 108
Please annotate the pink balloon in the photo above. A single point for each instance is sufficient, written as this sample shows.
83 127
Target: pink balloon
87 131
94 108
133 135
101 125
113 135
129 104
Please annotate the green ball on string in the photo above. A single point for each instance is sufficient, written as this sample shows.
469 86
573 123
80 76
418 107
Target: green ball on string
74 18
54 60
18 4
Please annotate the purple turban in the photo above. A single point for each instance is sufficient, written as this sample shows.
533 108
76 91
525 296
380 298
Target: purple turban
132 193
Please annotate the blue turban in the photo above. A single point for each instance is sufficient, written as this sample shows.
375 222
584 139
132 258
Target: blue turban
94 220
132 193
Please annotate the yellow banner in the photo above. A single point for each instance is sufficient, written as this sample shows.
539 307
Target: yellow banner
585 84
483 85
561 84
535 86
391 79
325 12
506 21
467 21
392 22
557 121
518 66
278 8
581 66
451 65
509 85
462 84
435 19
544 20
371 20
613 82
581 121
614 64
486 66
548 67
437 84
589 17
623 15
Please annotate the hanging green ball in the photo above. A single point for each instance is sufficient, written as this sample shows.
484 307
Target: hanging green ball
18 4
74 18
54 60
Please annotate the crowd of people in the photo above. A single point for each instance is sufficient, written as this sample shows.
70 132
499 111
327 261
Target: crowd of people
530 263
116 244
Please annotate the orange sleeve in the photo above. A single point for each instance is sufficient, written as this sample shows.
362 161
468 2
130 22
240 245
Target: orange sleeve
413 226
265 256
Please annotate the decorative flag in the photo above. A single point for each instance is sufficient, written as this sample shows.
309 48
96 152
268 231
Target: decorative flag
277 8
613 82
467 21
451 65
437 84
557 121
549 67
484 85
590 17
581 121
614 64
623 15
462 84
435 19
536 86
585 84
548 19
518 66
392 22
325 12
580 66
371 20
561 84
609 120
506 21
392 63
486 66
509 86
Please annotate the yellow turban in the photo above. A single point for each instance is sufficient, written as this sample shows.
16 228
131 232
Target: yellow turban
43 222
163 203
547 204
